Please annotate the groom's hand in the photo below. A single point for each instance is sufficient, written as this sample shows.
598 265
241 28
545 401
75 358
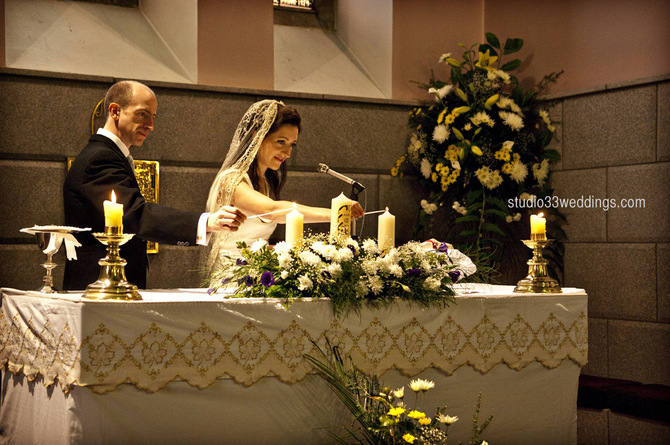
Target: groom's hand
226 218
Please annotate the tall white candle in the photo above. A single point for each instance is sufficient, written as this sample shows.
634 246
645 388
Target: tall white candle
113 213
340 217
294 223
386 230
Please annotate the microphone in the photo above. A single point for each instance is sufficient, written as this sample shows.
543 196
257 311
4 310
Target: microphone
323 168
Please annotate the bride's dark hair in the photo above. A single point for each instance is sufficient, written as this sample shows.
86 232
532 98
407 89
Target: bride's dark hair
286 115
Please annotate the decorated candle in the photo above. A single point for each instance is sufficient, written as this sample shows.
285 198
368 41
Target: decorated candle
294 222
386 230
538 226
340 217
113 213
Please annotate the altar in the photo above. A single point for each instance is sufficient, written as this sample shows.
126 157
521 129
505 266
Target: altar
182 366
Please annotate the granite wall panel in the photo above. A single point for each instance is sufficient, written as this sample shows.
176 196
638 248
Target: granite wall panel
662 275
648 182
639 351
626 430
177 267
610 128
31 192
592 428
21 266
619 278
597 364
402 196
585 221
663 150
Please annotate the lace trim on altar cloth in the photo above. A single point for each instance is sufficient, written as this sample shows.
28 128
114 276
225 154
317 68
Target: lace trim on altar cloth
154 356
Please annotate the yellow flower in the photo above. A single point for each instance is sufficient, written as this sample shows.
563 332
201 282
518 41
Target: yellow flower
507 168
394 171
396 411
476 150
485 60
460 110
491 100
425 421
408 438
440 117
434 177
414 414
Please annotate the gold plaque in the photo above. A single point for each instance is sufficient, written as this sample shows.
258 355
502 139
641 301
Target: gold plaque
148 175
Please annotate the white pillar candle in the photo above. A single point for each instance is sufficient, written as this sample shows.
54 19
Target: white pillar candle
386 230
538 226
340 217
113 213
294 223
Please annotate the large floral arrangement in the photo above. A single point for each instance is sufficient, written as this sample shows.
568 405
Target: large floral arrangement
350 273
480 143
384 415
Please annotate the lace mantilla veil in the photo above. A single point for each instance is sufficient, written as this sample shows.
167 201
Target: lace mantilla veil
247 139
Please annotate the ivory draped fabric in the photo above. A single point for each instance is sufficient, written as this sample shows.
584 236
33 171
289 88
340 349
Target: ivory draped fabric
187 335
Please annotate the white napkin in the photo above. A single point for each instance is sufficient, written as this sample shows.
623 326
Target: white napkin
61 234
70 244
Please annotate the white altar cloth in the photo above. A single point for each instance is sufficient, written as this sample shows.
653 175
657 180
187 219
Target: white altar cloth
185 367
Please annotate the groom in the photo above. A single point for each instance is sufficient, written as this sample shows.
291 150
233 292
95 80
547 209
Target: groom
105 165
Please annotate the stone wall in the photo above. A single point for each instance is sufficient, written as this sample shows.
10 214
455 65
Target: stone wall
615 143
45 117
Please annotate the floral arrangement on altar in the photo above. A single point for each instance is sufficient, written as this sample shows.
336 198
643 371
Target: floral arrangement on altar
383 415
348 272
481 143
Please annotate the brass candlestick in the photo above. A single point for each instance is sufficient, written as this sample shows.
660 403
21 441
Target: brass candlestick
112 283
538 280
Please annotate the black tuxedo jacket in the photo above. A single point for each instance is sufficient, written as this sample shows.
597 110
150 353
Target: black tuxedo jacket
100 168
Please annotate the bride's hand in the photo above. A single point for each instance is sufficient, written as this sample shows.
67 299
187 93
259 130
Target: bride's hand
357 211
226 218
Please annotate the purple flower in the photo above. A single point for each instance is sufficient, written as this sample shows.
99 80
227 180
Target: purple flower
413 272
225 281
267 279
455 275
211 290
444 248
352 248
248 280
241 262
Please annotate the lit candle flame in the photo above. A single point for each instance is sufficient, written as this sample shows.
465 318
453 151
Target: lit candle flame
540 215
113 196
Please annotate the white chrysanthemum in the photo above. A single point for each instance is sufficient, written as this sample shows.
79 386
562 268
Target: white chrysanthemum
428 207
352 242
541 171
395 270
426 168
284 274
309 258
343 254
284 260
282 247
511 218
370 266
370 246
512 120
425 265
376 284
504 102
440 133
503 75
399 393
519 171
482 118
415 148
334 269
444 57
515 108
432 283
361 289
507 145
421 385
467 127
446 419
489 178
258 245
304 282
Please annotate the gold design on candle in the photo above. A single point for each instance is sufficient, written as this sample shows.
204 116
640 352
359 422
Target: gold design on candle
340 217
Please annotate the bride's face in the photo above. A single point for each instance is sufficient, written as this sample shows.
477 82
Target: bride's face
277 147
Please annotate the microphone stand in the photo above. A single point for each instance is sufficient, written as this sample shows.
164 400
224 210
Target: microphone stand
356 189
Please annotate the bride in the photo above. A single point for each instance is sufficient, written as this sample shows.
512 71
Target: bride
253 174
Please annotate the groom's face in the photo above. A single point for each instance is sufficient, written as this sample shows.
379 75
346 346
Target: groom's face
136 120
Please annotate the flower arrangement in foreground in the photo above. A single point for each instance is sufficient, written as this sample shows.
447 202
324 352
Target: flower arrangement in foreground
481 143
382 414
350 273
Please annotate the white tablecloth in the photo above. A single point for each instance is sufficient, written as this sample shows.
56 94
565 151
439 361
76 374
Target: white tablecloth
185 367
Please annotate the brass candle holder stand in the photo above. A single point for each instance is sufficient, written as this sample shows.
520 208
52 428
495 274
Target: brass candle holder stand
112 283
538 280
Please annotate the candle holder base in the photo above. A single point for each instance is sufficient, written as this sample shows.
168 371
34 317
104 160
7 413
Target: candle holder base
538 280
112 283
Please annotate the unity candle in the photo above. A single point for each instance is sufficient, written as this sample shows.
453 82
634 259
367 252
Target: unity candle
340 217
538 226
113 213
294 222
386 231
